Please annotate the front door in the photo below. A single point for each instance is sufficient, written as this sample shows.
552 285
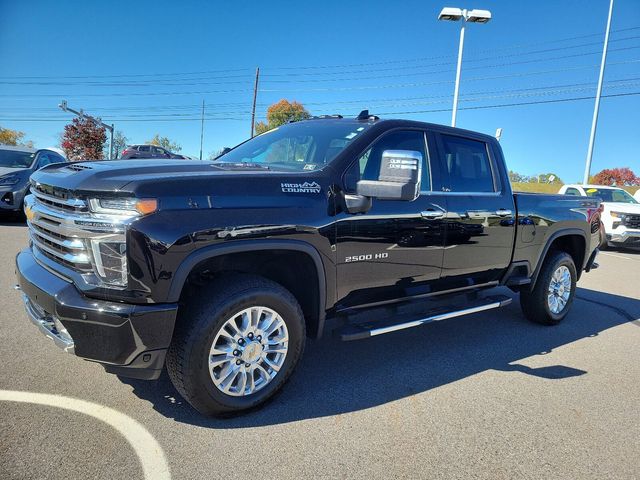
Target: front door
395 249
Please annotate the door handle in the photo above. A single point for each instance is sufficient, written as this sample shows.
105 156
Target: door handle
432 214
503 213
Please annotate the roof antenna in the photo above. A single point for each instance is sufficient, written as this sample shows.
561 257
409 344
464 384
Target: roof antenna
363 115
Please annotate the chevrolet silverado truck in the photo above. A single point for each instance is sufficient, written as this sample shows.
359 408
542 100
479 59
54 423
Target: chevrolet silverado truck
220 270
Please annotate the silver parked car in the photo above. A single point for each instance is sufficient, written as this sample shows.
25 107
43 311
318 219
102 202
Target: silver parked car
16 166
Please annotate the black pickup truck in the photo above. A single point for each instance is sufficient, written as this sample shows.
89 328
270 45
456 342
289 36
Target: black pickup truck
220 270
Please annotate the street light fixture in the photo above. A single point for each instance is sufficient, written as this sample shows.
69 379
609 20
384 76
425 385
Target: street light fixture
453 15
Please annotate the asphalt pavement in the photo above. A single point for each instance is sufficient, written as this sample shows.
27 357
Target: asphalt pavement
486 396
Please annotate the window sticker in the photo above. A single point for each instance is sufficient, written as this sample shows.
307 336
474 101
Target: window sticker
351 135
592 190
309 166
360 129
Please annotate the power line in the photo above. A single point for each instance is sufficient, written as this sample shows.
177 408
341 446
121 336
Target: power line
315 89
613 83
247 79
319 67
443 99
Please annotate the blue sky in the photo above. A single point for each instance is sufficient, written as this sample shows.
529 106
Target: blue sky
148 65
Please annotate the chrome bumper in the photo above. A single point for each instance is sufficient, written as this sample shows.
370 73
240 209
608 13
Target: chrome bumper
48 325
623 236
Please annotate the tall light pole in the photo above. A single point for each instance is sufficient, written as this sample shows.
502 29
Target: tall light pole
596 108
65 108
453 15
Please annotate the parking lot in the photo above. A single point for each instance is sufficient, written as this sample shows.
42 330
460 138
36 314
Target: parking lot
486 396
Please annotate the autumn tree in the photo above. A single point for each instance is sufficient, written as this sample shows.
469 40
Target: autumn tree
13 137
83 140
281 113
616 176
165 142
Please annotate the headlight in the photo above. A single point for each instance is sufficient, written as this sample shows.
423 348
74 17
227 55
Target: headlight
109 251
9 180
124 206
617 215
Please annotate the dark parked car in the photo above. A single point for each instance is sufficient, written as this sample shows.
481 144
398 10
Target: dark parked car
16 166
147 151
220 270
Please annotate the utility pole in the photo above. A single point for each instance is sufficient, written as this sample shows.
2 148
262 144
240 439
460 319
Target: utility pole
596 108
64 107
255 96
202 129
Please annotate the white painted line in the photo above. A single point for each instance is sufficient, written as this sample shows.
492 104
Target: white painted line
152 459
617 256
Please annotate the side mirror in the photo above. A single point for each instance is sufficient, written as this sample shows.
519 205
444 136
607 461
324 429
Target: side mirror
399 179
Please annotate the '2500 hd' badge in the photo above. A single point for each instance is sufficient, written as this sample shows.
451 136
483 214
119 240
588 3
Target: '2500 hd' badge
306 187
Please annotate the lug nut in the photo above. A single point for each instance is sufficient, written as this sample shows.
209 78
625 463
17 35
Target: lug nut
247 365
259 338
241 341
236 353
238 362
250 336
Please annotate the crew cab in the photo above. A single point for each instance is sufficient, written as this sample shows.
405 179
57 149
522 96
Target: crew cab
620 214
351 226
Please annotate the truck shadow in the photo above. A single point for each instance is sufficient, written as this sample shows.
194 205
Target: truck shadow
336 377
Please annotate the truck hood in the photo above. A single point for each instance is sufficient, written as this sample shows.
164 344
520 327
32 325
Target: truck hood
621 207
117 175
13 171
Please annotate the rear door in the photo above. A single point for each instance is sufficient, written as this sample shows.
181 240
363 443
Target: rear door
395 249
480 219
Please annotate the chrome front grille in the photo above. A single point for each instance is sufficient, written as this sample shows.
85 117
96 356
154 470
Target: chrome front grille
63 228
632 221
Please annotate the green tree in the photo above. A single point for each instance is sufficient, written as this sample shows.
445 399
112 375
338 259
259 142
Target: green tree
550 178
281 113
120 142
13 137
83 140
165 142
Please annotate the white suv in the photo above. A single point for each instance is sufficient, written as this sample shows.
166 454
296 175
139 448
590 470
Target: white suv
620 217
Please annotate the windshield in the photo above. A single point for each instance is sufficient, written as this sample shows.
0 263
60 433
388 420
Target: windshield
611 195
16 159
307 146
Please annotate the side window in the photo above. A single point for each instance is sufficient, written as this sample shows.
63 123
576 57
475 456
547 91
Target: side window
619 196
157 151
468 165
144 148
572 191
43 159
368 165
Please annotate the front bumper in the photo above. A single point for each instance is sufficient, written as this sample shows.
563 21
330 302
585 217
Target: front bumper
130 340
627 237
11 198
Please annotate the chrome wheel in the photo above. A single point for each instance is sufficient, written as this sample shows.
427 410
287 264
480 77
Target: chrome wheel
559 289
248 351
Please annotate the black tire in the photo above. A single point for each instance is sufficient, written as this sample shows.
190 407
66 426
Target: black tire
200 320
604 244
534 303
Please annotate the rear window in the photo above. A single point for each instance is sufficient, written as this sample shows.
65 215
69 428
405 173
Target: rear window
467 162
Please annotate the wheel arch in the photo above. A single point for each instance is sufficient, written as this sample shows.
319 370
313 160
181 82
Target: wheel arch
572 241
313 305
